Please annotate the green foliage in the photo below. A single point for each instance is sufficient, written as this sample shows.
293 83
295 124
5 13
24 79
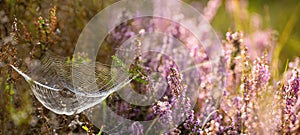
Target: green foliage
134 69
85 128
119 62
138 70
100 132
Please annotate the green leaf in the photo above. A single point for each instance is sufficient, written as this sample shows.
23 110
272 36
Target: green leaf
118 61
100 132
85 128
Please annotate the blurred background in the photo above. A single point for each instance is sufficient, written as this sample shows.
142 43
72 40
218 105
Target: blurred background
253 18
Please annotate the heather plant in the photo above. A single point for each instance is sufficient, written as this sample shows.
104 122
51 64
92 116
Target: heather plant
249 94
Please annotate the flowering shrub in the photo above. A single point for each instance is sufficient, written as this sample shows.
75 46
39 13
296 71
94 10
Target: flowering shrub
255 97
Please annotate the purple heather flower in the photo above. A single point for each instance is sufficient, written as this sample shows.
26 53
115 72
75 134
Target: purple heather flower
290 96
294 82
137 128
174 82
211 9
294 63
259 41
162 107
261 73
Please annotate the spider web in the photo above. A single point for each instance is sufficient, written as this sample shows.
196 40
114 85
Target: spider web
52 84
